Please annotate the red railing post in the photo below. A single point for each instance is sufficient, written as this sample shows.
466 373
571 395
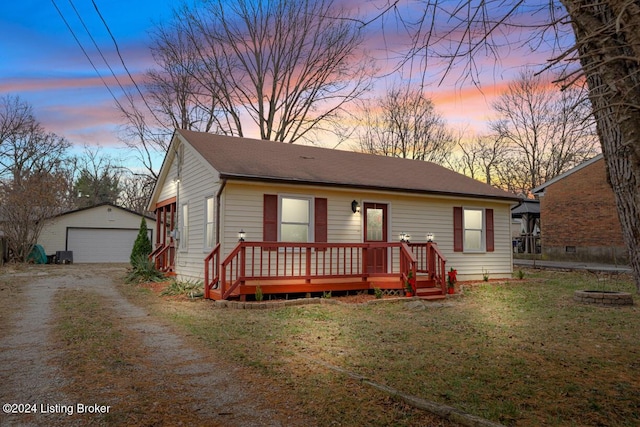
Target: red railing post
308 266
365 260
243 260
431 261
223 278
206 279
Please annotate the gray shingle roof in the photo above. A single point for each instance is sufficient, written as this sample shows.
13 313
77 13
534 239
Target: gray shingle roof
250 159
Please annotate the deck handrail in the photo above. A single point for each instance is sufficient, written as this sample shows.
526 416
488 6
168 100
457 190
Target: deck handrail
437 263
159 257
211 270
263 261
408 265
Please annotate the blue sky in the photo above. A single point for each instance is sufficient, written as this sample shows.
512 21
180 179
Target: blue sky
42 63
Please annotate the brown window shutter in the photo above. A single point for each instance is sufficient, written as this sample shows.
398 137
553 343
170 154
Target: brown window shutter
270 218
488 217
457 229
320 226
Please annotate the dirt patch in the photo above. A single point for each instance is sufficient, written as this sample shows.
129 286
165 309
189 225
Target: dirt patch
113 355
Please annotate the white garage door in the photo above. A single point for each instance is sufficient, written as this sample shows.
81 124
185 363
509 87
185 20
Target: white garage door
101 244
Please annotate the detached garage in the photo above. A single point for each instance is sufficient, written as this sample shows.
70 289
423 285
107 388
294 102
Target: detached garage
100 234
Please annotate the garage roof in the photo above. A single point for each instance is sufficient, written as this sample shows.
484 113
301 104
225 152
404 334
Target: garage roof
103 204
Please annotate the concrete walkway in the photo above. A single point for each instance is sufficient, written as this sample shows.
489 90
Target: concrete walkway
572 265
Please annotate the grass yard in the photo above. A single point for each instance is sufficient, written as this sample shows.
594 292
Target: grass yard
520 352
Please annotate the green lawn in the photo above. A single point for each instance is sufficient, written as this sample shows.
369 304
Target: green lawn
516 352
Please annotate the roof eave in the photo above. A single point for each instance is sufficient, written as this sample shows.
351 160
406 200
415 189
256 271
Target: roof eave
244 177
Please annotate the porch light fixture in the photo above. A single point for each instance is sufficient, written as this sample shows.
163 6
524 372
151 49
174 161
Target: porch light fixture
430 237
355 206
241 235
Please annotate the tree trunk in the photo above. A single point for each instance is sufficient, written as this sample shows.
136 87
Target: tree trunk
608 39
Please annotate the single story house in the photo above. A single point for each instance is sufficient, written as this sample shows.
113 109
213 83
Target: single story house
579 218
242 214
103 233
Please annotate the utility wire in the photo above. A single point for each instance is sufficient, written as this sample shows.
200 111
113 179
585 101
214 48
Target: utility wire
122 61
96 46
86 54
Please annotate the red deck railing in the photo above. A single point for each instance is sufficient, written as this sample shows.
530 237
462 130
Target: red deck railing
308 262
211 270
431 262
162 256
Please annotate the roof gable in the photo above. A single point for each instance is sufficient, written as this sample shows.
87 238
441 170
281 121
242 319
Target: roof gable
582 165
99 205
250 159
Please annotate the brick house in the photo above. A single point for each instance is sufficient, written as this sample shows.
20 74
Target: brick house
579 220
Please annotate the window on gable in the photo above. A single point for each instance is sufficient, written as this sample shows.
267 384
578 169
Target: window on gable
295 219
184 232
209 223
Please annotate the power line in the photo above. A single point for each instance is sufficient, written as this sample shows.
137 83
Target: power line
96 46
126 94
122 61
86 54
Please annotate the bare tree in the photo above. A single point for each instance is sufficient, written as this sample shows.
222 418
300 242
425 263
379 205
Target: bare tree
404 123
15 116
608 47
98 179
547 130
136 189
26 204
33 175
602 36
482 158
173 99
285 67
25 147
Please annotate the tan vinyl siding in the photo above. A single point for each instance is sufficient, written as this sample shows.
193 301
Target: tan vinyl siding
416 215
242 207
169 189
499 263
197 182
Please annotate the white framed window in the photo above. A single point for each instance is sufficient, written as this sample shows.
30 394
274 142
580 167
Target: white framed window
295 219
209 222
184 229
474 232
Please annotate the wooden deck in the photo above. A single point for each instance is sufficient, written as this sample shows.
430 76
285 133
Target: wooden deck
426 289
308 268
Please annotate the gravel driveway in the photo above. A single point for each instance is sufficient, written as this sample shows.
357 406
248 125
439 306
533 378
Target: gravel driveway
32 380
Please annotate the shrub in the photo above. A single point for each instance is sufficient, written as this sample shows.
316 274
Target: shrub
142 245
143 270
188 288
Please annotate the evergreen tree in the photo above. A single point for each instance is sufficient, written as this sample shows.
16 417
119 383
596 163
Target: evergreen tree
142 245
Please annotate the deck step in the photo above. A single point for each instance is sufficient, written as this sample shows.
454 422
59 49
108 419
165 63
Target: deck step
432 297
430 293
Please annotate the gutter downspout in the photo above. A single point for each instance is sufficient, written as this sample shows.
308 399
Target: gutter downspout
218 196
